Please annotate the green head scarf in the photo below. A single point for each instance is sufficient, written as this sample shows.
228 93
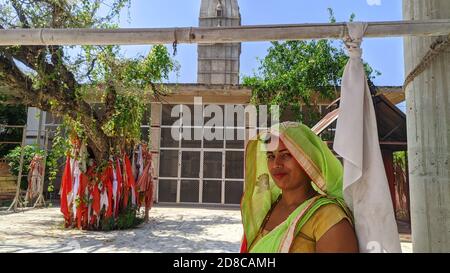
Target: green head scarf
313 155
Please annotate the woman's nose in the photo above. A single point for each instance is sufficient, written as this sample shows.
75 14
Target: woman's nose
278 161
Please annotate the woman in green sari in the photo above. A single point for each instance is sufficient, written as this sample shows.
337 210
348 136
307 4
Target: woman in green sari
293 194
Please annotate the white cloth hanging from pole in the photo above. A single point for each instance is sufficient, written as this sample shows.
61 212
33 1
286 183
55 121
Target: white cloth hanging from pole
366 189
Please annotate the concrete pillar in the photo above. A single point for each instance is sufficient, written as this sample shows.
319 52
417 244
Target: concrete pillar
35 119
428 124
155 145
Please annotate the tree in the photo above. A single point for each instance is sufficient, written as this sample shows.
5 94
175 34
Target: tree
61 79
11 115
296 73
57 79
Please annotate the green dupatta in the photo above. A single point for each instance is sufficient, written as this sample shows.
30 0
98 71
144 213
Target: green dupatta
260 192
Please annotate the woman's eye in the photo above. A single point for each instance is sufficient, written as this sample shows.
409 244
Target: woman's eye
270 157
286 156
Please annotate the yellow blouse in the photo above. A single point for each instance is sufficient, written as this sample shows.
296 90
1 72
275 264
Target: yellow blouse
320 222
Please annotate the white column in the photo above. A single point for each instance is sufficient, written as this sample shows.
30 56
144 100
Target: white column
33 115
428 124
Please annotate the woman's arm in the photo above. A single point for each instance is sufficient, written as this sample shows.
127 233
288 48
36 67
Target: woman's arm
339 238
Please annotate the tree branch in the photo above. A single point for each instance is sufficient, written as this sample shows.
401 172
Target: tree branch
57 56
111 95
20 14
79 109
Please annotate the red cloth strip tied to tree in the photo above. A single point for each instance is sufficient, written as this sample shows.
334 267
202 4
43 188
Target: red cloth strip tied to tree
106 197
66 189
129 184
97 199
145 183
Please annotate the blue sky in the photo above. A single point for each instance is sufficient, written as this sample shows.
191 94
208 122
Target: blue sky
383 54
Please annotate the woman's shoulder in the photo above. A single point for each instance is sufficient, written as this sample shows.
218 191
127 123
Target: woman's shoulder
328 211
325 217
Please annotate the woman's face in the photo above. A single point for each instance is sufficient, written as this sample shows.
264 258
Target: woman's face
284 169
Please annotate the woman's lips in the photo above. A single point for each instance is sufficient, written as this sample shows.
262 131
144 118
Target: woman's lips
279 175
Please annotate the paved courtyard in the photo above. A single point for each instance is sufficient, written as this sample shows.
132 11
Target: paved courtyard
170 229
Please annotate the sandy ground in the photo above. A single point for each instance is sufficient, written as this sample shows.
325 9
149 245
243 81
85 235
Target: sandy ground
170 229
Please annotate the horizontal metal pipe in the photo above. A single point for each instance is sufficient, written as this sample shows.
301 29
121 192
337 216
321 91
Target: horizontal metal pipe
201 35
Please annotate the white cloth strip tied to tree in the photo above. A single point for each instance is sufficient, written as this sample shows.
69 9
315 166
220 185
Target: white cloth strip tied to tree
366 189
35 177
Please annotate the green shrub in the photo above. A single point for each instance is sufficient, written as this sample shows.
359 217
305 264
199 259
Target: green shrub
13 158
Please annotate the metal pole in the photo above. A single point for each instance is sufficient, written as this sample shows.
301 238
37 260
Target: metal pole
235 34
